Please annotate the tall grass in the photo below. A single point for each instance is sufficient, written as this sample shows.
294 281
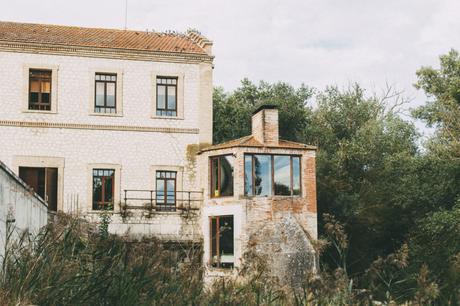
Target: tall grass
72 262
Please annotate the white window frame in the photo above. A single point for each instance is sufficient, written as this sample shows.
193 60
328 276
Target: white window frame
54 88
117 187
119 92
179 98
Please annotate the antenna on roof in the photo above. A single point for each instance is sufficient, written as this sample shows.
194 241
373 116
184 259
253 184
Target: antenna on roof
126 15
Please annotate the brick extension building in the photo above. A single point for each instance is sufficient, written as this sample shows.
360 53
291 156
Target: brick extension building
121 121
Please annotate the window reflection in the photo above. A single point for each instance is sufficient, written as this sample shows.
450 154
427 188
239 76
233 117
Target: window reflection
282 175
222 175
262 175
248 174
295 175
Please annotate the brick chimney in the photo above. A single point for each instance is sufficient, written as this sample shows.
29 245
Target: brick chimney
265 125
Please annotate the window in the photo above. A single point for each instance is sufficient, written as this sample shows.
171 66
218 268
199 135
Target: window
222 176
39 89
266 175
222 243
105 98
166 190
103 189
166 96
43 181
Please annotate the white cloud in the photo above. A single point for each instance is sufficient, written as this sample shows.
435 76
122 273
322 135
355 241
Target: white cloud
299 41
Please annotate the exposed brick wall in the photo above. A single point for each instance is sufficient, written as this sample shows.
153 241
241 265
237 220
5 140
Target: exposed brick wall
265 127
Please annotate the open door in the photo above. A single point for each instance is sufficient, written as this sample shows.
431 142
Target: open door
43 181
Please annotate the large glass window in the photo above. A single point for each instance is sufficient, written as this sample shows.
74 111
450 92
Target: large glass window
103 189
222 175
166 190
166 96
105 99
267 175
40 89
222 242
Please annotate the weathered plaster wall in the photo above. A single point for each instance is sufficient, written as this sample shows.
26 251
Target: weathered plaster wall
20 209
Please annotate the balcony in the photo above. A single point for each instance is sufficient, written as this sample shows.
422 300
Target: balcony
156 201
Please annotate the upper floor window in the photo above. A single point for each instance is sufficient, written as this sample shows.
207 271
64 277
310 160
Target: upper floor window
40 89
166 99
103 189
166 190
222 175
105 100
266 175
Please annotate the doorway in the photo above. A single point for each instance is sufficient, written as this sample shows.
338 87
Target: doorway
44 181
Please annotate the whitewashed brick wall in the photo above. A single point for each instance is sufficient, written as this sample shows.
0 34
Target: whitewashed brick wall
135 152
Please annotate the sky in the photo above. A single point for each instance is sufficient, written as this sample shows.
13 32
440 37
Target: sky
318 43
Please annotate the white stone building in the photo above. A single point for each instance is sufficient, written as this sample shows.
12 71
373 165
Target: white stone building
85 115
99 120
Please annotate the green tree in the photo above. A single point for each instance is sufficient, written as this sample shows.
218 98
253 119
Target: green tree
442 86
232 111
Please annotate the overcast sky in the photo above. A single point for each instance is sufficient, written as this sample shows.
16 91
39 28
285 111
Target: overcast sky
318 43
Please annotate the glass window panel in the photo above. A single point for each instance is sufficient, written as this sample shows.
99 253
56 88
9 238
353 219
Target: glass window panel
214 177
114 77
214 237
99 94
161 97
34 86
160 190
226 175
45 98
97 189
296 175
282 174
248 174
226 235
108 194
46 86
171 97
111 94
262 172
34 97
170 187
174 81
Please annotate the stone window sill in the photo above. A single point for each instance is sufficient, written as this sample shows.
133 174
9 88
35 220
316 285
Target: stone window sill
32 111
106 114
167 117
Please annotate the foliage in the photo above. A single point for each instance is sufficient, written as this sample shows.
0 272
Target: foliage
232 112
74 264
443 111
372 174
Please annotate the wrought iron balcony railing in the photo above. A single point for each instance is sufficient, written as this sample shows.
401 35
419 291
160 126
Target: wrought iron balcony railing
160 201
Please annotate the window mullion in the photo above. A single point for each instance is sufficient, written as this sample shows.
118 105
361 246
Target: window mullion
291 176
166 98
